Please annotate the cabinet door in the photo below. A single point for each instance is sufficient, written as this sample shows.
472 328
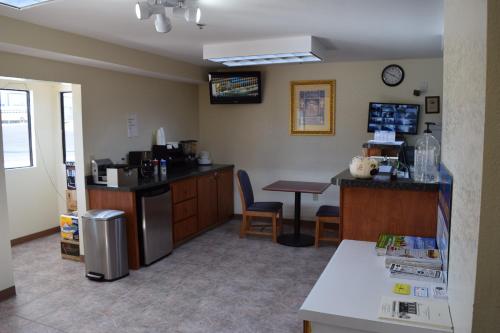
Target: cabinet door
183 190
225 195
184 229
207 200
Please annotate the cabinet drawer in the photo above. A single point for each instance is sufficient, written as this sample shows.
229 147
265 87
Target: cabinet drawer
183 190
185 209
185 228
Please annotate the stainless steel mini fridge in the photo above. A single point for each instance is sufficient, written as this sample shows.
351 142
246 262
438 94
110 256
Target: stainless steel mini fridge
105 240
155 224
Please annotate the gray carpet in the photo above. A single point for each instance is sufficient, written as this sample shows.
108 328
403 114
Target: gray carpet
215 283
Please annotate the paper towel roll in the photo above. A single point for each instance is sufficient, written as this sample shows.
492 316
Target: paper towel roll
160 137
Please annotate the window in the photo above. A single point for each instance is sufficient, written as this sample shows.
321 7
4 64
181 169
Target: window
16 128
68 135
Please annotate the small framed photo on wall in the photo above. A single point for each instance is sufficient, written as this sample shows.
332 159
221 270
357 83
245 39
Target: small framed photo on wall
432 104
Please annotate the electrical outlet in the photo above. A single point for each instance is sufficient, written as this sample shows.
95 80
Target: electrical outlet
315 197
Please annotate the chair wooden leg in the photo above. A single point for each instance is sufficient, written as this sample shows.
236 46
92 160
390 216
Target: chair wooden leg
243 226
316 234
275 237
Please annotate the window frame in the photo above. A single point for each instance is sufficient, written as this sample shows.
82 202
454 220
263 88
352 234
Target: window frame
30 128
63 130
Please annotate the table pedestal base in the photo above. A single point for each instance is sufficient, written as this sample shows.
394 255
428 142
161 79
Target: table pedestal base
300 240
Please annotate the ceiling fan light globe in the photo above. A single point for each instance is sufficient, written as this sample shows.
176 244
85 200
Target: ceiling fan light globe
162 23
193 15
198 15
143 10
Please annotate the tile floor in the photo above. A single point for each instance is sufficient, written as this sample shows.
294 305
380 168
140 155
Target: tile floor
215 283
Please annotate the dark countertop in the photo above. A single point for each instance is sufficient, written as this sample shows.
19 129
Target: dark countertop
345 179
145 184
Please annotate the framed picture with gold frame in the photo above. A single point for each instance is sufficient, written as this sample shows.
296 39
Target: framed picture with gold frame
312 107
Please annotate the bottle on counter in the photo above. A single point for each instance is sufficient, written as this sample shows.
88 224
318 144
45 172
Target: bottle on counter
163 168
156 167
427 150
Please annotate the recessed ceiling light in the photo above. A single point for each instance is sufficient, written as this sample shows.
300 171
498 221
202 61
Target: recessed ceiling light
22 4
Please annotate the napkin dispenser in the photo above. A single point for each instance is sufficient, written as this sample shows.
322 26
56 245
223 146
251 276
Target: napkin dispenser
121 176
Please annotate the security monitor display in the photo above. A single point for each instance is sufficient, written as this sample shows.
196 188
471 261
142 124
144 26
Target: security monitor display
399 118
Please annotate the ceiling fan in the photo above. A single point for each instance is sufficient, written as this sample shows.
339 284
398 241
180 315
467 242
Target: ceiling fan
186 9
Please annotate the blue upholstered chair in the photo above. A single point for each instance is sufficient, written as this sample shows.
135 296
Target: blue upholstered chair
250 208
331 215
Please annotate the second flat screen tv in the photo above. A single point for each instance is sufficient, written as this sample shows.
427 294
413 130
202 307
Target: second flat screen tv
400 118
235 87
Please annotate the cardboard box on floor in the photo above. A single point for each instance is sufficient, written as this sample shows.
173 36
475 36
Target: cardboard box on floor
71 204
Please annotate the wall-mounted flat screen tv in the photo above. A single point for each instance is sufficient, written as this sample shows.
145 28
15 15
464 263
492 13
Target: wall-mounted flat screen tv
400 118
235 87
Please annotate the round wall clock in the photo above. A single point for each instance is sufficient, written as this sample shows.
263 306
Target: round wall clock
393 75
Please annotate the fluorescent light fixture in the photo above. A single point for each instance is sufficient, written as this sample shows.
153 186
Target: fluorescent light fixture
22 4
267 59
264 52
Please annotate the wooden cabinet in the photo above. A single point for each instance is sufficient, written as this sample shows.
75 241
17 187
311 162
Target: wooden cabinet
198 203
184 209
201 203
207 196
185 229
225 195
367 212
183 190
124 201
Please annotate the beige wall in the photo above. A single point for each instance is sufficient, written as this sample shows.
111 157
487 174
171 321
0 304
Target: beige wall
107 99
40 185
27 38
256 137
487 297
6 275
470 150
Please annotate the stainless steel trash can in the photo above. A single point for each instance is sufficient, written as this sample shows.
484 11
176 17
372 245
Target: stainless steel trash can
105 241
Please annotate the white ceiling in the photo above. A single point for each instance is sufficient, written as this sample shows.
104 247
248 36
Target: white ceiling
350 29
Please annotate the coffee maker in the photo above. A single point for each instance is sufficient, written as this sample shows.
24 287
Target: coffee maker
189 150
181 156
143 161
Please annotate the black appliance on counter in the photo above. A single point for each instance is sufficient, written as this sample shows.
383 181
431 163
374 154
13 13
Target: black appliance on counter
183 157
143 161
136 157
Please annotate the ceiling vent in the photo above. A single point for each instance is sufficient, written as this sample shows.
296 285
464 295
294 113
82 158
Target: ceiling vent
265 51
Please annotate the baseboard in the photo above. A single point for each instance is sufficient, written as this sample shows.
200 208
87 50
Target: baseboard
82 257
34 236
7 293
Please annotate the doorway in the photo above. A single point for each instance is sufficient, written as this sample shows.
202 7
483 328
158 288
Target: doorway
42 148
